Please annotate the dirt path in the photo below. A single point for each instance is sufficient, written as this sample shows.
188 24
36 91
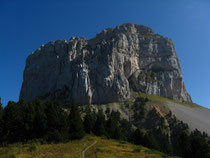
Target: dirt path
83 152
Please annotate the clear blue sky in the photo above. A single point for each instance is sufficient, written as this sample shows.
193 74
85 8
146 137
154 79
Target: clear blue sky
25 25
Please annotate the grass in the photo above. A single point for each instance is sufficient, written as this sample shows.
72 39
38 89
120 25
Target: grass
163 101
71 149
105 148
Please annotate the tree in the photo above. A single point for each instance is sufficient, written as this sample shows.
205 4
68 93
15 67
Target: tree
17 121
139 109
138 137
100 124
27 115
199 147
162 139
1 109
112 127
56 122
40 120
89 121
1 113
185 144
76 130
150 141
11 123
127 130
115 115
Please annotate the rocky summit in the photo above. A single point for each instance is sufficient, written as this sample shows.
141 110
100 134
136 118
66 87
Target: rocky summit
106 68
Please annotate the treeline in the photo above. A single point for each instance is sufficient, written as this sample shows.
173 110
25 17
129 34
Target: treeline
48 122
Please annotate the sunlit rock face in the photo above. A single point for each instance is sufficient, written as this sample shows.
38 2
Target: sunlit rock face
106 68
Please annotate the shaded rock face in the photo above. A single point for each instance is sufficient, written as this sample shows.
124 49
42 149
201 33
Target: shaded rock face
106 68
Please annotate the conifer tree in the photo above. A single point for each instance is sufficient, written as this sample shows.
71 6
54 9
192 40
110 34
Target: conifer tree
150 141
11 123
76 129
40 120
89 121
127 130
27 115
1 113
112 127
1 109
100 124
199 146
138 137
118 133
185 145
56 122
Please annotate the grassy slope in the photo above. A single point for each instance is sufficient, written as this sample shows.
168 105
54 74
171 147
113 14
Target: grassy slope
116 149
33 150
103 149
160 100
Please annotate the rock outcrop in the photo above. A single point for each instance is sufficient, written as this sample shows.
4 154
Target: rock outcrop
106 68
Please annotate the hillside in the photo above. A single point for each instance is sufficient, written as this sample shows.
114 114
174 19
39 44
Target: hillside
190 113
195 116
104 148
145 120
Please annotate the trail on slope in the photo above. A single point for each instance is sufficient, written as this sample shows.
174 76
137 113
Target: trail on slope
83 152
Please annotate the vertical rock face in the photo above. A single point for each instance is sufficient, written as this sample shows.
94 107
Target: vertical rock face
105 68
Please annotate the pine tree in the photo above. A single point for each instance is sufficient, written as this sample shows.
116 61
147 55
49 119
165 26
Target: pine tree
76 130
100 124
56 122
17 121
199 146
11 123
40 120
150 141
162 139
127 130
89 121
27 115
138 137
1 109
1 127
118 133
112 127
185 145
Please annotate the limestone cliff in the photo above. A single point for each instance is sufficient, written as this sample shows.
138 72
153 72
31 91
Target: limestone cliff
106 68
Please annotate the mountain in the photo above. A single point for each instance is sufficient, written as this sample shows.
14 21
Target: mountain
107 68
